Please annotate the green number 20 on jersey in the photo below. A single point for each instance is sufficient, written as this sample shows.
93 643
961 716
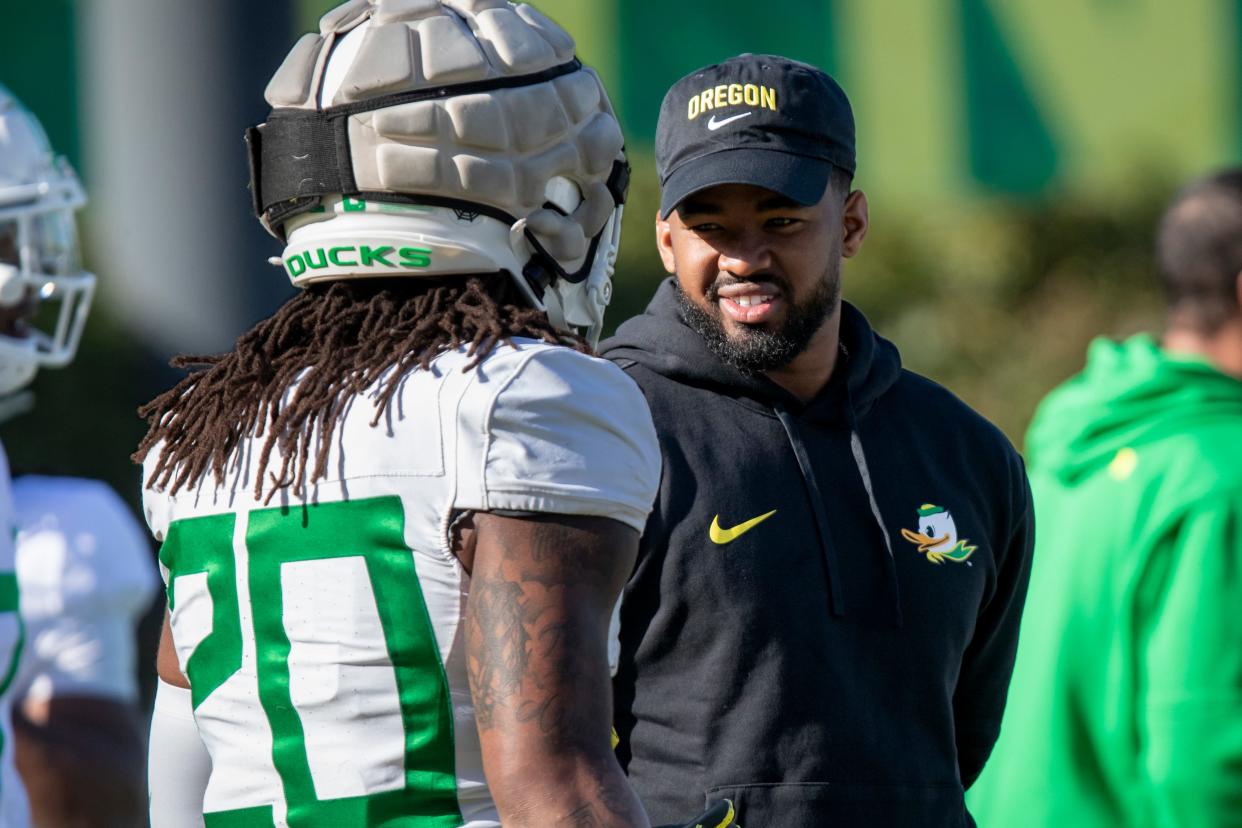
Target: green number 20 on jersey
313 619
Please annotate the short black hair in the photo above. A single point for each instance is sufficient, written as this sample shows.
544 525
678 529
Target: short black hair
841 180
1199 252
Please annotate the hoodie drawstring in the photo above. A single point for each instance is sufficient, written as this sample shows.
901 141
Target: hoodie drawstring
864 472
836 600
860 461
821 514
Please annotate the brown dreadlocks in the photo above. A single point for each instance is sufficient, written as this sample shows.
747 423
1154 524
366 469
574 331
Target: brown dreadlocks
335 341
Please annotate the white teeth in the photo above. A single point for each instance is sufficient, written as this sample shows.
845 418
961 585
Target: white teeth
752 300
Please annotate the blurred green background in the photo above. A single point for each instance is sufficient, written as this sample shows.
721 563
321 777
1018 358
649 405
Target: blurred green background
1015 153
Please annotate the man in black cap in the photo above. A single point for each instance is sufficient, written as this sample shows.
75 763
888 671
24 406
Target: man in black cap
822 621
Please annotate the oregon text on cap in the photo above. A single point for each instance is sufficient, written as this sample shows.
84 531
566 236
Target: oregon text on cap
732 94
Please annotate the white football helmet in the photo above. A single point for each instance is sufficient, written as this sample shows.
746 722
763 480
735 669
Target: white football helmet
39 262
436 137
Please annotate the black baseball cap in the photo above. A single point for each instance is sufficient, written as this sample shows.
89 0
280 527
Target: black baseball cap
753 119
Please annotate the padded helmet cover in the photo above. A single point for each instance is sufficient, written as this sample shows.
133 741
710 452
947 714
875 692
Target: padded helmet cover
475 106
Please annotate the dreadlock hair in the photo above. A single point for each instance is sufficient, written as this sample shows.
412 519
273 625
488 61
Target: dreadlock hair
335 341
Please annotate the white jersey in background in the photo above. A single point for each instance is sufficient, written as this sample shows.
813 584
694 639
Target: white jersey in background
14 809
87 575
323 641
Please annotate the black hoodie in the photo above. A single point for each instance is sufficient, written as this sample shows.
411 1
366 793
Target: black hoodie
784 642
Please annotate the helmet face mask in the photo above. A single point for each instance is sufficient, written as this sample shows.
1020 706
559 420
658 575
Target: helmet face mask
40 267
500 146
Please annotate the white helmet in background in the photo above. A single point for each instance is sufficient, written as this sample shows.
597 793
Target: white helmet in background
39 262
427 138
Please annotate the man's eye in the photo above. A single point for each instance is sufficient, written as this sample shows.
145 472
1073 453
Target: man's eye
707 227
782 222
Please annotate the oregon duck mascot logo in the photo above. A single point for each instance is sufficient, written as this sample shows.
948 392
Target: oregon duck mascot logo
937 536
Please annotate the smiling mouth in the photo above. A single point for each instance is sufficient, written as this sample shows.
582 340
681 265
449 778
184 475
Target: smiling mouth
751 299
749 309
747 302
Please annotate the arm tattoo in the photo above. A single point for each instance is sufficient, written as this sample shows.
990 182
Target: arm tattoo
525 641
536 621
612 801
558 642
497 623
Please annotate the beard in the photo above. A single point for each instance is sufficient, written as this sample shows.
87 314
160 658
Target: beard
754 350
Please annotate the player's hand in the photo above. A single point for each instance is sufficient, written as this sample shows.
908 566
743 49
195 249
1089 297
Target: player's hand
719 815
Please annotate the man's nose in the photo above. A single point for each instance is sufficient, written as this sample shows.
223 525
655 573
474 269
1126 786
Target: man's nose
746 255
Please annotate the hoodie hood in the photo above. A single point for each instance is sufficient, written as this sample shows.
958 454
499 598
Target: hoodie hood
1129 393
660 339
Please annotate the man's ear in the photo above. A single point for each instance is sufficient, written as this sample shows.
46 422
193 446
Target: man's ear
854 223
664 243
1237 290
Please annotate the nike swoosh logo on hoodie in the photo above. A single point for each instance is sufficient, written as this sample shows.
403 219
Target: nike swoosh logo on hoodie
722 536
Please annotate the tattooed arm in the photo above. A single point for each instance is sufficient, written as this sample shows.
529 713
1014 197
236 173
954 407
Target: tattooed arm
541 595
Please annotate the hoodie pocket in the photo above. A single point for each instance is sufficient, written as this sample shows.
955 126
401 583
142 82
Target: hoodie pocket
845 805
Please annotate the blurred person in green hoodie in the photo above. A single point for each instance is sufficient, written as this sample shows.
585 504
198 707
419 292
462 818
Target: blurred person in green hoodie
1126 702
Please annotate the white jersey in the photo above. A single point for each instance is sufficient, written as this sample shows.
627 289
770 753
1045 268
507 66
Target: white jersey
86 574
14 810
324 640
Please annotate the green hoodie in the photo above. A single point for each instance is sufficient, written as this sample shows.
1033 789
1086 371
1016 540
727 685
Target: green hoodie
1126 702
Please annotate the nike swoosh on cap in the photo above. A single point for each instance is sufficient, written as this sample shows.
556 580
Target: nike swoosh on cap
722 536
714 125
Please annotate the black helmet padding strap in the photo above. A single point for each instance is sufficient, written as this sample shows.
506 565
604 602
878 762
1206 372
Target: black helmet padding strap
300 155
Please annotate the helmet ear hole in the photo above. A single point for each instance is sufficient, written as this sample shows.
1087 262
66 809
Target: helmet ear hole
562 195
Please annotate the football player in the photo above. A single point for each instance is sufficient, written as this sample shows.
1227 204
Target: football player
66 665
397 516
